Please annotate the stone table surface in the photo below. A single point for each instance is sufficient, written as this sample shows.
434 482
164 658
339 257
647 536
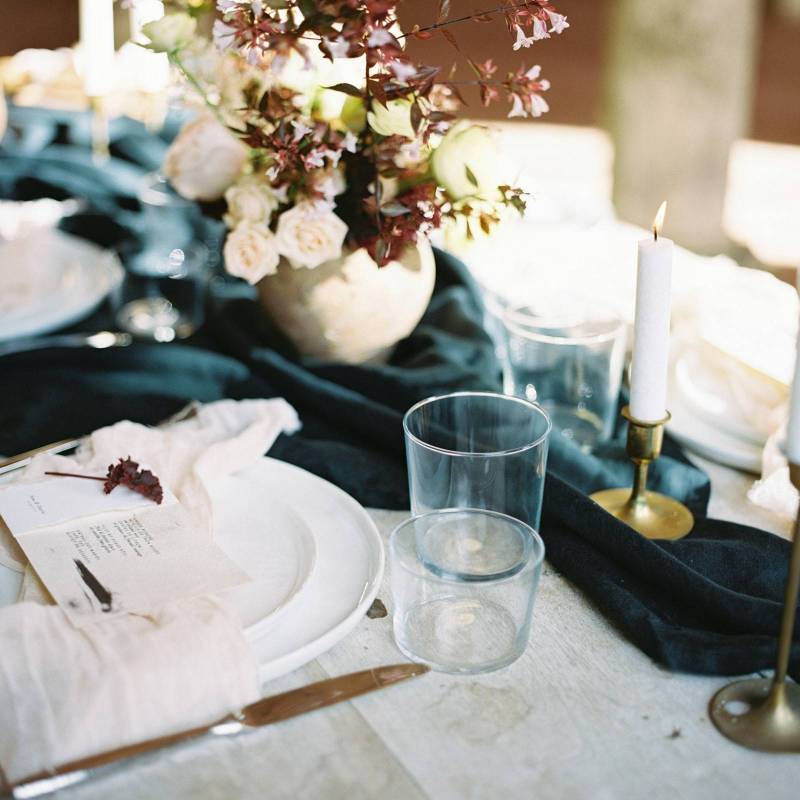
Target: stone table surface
582 714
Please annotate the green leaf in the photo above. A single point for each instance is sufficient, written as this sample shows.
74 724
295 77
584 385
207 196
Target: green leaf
471 176
347 88
307 7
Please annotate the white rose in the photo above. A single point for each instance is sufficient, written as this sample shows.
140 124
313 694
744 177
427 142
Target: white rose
309 234
204 160
170 33
251 252
394 118
250 200
466 162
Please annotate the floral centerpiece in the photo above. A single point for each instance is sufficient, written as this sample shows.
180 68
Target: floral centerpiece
335 153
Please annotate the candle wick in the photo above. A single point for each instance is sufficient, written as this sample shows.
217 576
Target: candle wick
655 234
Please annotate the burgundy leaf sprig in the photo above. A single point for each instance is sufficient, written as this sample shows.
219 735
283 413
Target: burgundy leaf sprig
125 472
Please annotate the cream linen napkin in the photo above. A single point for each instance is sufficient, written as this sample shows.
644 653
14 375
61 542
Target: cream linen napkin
67 692
775 492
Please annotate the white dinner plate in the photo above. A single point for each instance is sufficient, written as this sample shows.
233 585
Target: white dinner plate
694 433
314 553
708 395
49 280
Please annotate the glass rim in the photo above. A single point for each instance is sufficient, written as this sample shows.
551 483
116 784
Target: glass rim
535 558
512 318
468 453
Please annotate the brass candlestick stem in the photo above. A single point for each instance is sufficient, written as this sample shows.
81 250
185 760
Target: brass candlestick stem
760 713
654 515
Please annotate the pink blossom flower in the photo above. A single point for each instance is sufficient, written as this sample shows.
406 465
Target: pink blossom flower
402 71
517 108
379 37
522 39
314 159
538 105
300 130
534 72
350 142
337 47
539 30
558 21
224 35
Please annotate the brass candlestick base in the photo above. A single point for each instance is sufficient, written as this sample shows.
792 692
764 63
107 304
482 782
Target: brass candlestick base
654 515
759 713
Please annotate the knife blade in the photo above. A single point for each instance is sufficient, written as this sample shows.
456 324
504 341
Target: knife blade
263 712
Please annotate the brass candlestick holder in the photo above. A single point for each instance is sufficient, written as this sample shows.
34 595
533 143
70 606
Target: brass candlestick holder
654 515
763 713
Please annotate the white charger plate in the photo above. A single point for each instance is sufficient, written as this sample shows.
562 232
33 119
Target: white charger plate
314 553
694 433
71 279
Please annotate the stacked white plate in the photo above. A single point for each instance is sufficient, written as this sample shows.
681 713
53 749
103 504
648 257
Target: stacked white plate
49 280
732 364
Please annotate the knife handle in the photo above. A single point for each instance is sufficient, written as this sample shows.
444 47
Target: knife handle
94 766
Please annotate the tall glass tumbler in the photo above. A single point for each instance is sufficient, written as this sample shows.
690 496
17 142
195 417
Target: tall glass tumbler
568 359
477 450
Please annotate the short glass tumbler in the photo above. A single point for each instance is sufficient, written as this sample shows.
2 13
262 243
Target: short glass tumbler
167 300
570 362
477 450
463 585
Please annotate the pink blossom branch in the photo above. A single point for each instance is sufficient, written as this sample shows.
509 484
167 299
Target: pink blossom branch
489 11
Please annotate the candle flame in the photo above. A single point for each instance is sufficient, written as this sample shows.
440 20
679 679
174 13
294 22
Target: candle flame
658 222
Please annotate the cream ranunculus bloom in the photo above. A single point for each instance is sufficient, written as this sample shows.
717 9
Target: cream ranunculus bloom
250 200
204 160
310 234
467 162
394 118
170 33
251 252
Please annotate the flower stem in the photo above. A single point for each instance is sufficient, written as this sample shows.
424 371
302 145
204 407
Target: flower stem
75 475
446 23
197 86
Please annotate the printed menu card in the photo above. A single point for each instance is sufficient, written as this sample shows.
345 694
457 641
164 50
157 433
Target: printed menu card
100 554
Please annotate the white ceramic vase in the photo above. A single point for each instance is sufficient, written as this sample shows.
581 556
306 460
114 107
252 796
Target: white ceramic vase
349 309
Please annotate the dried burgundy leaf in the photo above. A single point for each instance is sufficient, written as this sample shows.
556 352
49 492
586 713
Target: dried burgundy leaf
126 472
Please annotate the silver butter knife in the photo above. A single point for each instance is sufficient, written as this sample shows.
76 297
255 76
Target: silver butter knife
264 712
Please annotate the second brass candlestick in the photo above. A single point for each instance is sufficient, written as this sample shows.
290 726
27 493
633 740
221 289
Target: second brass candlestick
764 713
654 515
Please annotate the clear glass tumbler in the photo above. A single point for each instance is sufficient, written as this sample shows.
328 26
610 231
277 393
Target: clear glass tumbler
463 585
165 301
477 450
569 360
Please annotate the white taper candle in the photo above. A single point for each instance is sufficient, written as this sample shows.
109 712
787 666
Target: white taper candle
651 327
97 46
